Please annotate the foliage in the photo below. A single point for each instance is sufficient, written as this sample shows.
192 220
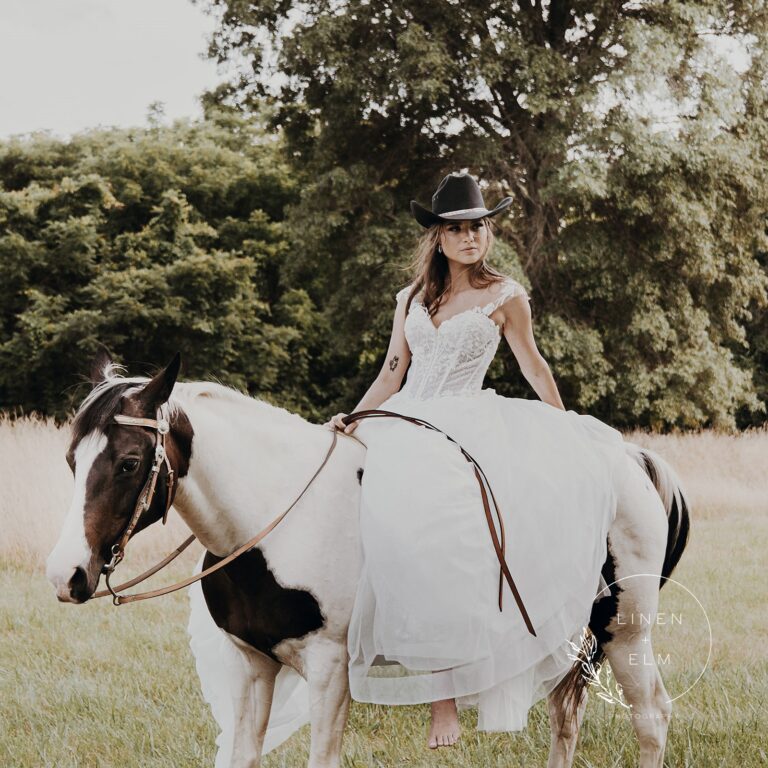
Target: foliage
268 240
148 242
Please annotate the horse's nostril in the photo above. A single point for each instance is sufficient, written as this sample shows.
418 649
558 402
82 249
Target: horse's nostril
78 586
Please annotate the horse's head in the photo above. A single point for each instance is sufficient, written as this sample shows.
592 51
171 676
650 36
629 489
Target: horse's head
111 463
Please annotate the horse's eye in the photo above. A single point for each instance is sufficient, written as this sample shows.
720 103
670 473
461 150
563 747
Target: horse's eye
128 466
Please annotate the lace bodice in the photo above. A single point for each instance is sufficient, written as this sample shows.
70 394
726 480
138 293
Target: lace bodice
452 359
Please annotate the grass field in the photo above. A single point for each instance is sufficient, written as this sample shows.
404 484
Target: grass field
98 686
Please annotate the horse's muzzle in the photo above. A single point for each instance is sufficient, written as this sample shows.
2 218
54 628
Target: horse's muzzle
77 589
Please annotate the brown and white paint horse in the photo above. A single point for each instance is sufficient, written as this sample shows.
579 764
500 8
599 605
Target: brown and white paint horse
276 618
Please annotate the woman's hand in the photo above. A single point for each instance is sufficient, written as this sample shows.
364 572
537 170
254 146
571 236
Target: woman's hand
335 422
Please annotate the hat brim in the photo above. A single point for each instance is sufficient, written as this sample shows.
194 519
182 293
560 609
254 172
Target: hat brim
426 218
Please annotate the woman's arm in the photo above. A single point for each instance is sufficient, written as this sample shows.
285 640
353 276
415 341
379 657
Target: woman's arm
518 331
390 377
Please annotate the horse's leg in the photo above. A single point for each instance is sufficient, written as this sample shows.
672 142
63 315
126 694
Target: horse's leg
630 653
252 702
648 536
326 672
565 731
638 539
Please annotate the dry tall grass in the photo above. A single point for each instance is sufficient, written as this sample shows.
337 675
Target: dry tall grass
721 473
36 491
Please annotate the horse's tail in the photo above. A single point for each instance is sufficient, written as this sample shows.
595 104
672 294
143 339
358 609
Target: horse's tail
568 694
673 497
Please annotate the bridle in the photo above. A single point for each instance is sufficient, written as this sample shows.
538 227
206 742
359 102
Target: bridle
162 428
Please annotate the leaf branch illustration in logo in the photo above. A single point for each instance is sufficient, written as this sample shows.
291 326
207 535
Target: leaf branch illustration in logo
608 689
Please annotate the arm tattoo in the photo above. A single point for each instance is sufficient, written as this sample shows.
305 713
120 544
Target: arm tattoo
393 363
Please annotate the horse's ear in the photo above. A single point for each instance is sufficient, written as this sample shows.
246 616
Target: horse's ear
99 366
159 388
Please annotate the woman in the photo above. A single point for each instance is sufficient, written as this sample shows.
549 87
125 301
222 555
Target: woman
427 624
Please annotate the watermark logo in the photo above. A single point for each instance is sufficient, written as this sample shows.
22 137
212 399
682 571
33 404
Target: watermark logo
675 638
599 678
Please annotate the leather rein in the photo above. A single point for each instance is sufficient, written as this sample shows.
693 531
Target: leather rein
161 427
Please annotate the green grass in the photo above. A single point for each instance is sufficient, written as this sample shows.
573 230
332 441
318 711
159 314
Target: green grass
95 685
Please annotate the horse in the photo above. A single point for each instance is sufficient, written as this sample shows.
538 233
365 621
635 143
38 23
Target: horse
277 616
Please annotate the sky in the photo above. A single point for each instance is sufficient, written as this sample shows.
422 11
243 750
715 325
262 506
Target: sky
68 65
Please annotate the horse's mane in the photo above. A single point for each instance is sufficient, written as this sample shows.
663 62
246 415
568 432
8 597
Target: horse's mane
103 401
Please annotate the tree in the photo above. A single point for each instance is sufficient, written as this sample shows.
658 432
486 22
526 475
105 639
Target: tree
637 234
148 242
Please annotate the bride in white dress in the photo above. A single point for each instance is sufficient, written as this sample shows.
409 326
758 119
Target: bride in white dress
426 624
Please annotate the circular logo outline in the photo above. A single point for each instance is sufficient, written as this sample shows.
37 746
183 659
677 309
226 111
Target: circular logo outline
703 610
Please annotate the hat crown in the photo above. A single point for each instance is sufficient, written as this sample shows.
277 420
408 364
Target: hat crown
458 191
457 197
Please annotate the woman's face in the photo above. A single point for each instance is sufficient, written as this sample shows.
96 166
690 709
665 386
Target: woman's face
464 241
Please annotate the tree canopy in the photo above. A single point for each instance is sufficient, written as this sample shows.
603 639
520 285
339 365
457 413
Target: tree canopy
267 241
639 234
148 242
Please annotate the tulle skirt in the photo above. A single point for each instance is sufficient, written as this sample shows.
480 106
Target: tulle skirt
426 624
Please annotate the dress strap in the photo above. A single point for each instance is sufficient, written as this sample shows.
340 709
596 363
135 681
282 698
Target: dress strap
402 294
509 289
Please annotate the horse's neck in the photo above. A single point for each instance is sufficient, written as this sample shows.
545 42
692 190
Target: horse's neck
248 462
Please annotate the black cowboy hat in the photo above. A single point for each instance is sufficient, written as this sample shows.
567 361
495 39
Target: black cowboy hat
457 198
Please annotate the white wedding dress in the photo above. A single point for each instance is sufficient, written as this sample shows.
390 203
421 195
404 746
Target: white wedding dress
426 623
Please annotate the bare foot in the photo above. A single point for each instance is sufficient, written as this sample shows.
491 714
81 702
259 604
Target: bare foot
445 728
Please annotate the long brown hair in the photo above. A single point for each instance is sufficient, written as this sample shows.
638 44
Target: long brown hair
430 268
